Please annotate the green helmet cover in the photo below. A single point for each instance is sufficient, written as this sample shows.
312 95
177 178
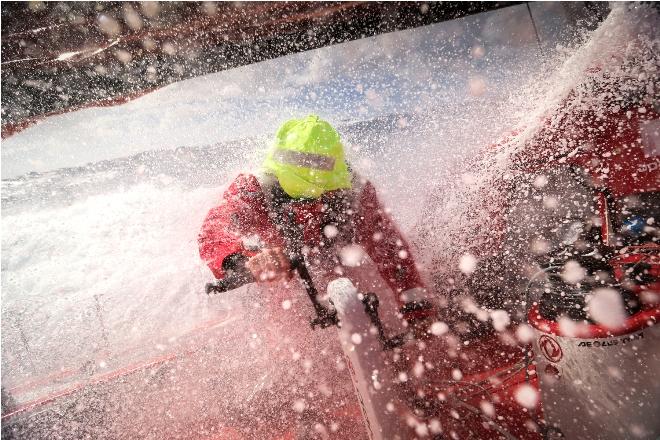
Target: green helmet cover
307 158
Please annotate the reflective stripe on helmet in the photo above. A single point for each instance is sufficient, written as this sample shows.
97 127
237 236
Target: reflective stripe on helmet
307 160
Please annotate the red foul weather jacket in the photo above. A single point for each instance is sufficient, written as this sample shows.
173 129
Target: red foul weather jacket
248 218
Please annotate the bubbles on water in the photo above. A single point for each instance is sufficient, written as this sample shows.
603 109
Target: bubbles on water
150 9
325 389
540 181
501 319
123 55
573 272
210 8
477 52
477 86
109 25
330 231
567 326
487 408
649 297
638 430
374 380
36 6
418 369
439 328
421 430
526 396
615 372
550 202
299 405
169 48
320 429
540 246
606 308
467 264
352 255
468 179
435 426
132 18
524 333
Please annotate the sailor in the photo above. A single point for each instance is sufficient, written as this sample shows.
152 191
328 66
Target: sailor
307 208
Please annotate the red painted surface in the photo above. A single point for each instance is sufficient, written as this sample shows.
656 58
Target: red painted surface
493 368
649 254
639 321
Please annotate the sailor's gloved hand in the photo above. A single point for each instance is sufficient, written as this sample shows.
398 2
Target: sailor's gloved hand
270 265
